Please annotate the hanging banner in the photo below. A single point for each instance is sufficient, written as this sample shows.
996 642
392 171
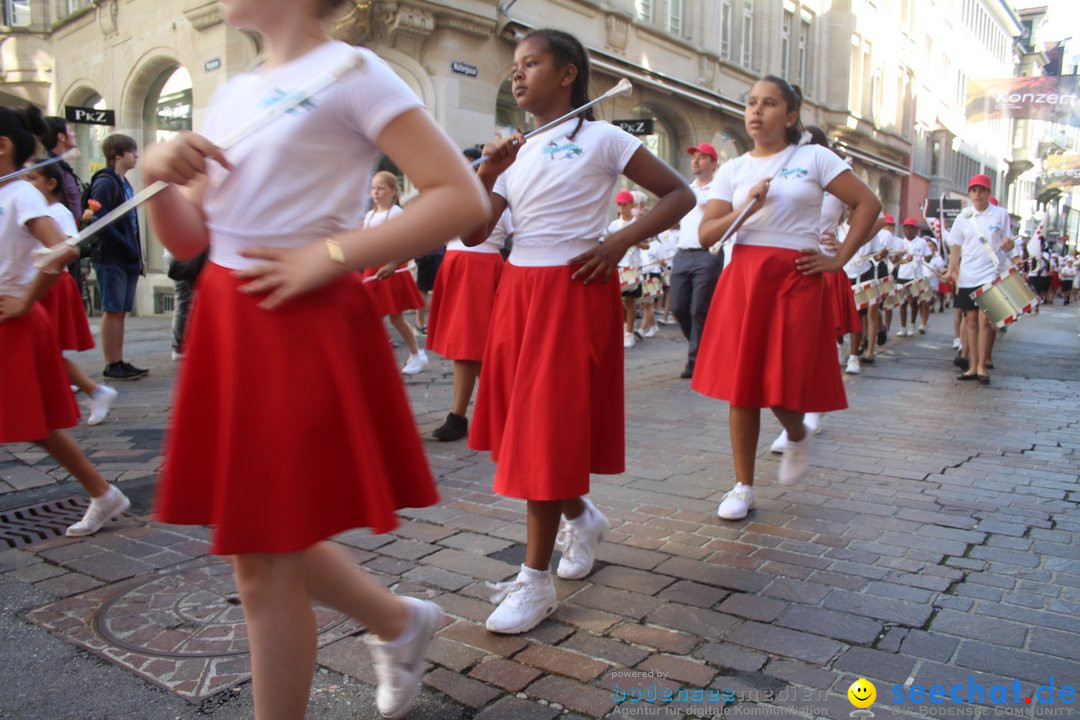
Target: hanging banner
1054 98
1060 171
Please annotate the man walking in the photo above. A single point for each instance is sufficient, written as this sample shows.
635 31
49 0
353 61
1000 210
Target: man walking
694 270
117 253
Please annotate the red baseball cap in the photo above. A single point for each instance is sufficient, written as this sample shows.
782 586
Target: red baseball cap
890 220
979 181
911 221
624 197
704 149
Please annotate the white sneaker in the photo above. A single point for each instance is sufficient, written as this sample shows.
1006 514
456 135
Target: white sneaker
399 664
796 460
813 422
903 331
102 510
628 340
177 356
853 366
737 501
524 602
415 363
651 332
956 343
577 539
779 443
100 402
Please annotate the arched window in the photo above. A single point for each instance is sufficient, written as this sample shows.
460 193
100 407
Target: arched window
168 106
661 142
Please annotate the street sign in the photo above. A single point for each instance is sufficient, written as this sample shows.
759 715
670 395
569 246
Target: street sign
643 126
89 116
464 68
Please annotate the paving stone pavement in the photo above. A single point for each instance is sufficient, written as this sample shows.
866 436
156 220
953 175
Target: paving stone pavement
936 542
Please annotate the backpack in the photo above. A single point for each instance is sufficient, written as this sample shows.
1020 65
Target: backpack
87 247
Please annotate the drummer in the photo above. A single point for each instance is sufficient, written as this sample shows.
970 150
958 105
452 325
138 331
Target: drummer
630 265
972 265
911 267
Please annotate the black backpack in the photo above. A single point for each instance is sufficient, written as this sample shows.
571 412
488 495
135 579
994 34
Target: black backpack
84 203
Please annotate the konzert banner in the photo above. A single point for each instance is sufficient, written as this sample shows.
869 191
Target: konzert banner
1052 98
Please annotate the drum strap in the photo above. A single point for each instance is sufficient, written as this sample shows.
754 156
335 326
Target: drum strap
987 248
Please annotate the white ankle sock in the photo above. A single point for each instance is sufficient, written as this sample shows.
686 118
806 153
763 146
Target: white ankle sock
534 575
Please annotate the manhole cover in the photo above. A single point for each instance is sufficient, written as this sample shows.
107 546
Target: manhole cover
33 523
194 612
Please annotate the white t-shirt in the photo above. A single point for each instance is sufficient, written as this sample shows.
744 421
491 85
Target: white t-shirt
294 179
791 215
1067 272
832 210
559 190
919 252
688 226
654 258
976 267
937 263
503 229
862 261
63 217
20 202
632 257
374 217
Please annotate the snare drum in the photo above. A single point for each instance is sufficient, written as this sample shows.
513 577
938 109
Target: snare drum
652 287
629 279
892 295
865 294
920 289
1005 300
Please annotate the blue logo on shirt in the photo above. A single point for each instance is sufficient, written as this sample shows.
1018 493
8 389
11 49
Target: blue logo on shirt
797 172
277 95
570 150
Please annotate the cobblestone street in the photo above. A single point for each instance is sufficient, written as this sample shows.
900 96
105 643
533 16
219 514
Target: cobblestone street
936 542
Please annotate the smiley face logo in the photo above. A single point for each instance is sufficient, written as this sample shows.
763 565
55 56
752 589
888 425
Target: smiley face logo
862 693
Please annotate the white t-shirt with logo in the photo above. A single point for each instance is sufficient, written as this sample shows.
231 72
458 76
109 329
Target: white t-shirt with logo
294 180
791 215
20 202
559 190
503 229
976 267
691 222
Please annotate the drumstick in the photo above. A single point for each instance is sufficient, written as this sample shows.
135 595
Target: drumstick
283 105
72 154
623 87
803 139
369 278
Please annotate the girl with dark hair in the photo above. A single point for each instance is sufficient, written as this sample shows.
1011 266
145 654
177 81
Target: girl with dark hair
769 341
550 403
63 302
35 400
291 423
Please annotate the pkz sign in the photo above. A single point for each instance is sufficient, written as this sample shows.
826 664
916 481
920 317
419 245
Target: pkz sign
643 126
89 116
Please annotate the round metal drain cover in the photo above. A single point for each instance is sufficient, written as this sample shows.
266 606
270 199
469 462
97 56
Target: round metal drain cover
193 612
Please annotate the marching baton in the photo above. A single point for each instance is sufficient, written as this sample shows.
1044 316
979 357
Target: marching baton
803 140
286 103
371 278
71 154
623 87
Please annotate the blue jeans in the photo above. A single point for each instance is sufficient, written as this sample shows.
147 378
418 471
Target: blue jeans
117 285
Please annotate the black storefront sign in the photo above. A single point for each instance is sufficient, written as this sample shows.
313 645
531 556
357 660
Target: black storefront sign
89 116
642 126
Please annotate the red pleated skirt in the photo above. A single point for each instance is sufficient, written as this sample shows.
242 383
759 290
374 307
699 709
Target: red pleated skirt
770 337
461 304
65 309
846 315
395 294
35 395
550 402
289 426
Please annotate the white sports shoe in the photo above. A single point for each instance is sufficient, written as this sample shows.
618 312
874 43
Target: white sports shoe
956 343
796 460
399 664
779 443
903 331
102 510
100 402
853 366
524 602
813 422
737 501
577 539
651 332
415 363
628 340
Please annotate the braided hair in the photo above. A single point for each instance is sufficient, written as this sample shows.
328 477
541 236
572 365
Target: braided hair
568 50
793 100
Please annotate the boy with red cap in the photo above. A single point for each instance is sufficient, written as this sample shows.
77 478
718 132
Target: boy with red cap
911 267
631 291
981 242
694 270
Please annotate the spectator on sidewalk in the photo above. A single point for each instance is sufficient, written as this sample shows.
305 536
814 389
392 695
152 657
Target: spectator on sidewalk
117 253
58 139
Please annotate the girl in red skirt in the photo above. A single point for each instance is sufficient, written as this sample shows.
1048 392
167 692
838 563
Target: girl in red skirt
63 302
461 305
769 340
35 400
550 403
394 292
290 421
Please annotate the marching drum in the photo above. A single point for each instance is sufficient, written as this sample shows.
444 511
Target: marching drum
921 290
865 294
891 294
629 278
652 287
1005 300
